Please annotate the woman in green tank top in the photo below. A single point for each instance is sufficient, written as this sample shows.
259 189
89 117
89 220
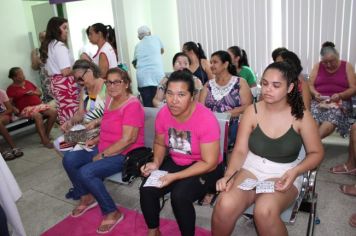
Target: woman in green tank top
270 136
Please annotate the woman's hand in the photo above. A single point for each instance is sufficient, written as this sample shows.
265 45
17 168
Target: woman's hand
97 157
317 97
91 142
335 97
223 185
284 183
91 125
65 127
168 179
148 168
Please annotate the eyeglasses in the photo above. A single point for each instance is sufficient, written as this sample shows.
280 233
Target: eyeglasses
81 77
115 83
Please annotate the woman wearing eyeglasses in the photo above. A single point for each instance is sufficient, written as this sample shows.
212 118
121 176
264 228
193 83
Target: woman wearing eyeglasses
332 84
121 130
92 95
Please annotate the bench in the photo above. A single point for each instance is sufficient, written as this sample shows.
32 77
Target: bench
150 117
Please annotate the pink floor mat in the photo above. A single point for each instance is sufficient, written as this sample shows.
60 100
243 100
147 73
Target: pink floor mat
132 225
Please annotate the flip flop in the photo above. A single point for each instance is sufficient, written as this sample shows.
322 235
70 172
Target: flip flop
83 209
352 220
343 170
17 152
111 223
343 188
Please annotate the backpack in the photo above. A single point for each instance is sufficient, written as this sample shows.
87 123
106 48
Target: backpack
133 161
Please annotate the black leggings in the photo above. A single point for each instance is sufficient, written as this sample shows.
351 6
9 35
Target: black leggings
184 193
4 231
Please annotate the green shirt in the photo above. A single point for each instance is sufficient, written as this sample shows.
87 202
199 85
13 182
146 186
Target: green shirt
247 73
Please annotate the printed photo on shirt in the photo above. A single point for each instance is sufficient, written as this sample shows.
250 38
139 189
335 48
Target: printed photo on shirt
180 141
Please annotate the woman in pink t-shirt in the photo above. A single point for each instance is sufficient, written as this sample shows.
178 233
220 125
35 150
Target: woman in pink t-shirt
193 162
121 130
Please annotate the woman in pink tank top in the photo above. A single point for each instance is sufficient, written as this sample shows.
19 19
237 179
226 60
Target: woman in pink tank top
332 84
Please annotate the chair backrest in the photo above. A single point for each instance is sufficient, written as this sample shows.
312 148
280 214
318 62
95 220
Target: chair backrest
150 117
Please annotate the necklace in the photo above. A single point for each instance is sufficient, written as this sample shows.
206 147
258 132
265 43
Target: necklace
219 91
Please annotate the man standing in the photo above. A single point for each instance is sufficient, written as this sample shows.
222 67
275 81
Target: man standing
148 64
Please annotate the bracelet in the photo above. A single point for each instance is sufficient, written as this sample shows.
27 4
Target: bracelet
102 155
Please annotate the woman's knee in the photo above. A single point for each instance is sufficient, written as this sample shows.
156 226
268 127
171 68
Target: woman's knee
265 214
69 160
225 204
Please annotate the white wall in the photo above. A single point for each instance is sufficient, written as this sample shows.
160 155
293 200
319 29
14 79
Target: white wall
15 44
82 14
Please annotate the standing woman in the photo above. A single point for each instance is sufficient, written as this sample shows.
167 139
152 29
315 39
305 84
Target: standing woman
58 61
199 66
227 92
239 59
105 57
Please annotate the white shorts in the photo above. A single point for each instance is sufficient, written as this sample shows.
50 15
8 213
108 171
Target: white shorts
264 169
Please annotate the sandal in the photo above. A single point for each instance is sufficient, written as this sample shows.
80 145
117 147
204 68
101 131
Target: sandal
8 156
109 225
352 220
342 169
48 145
348 189
83 208
17 152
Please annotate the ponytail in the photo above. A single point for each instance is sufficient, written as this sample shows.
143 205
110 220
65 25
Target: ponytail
243 59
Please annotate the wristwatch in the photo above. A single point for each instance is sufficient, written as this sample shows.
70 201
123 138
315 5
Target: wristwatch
102 155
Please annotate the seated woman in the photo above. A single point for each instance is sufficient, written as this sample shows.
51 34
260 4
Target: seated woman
271 134
121 130
180 62
240 61
5 118
332 84
199 66
92 94
26 98
227 92
294 60
193 161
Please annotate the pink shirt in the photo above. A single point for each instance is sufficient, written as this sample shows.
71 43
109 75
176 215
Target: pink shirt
130 114
3 98
183 139
328 84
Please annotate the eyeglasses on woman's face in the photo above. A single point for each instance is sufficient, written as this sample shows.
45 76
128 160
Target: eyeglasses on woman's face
81 78
114 83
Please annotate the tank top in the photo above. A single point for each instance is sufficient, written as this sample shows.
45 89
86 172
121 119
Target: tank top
201 74
110 55
328 84
284 149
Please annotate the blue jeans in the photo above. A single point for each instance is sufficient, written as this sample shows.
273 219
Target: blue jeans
87 176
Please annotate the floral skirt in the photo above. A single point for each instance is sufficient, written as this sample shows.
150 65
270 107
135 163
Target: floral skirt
27 112
337 116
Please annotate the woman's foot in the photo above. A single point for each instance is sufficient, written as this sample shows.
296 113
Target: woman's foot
348 189
206 200
352 220
109 222
17 152
154 232
8 155
343 169
48 145
82 208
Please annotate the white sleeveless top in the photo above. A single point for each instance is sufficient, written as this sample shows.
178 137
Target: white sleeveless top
110 55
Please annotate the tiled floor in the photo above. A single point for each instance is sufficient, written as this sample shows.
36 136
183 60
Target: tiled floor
43 182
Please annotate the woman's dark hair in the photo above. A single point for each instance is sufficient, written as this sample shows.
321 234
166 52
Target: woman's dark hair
238 52
123 75
180 54
276 52
224 56
328 47
294 98
292 58
53 32
85 64
13 72
182 76
107 31
197 49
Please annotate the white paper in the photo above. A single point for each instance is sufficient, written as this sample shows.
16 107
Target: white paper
77 127
153 179
261 186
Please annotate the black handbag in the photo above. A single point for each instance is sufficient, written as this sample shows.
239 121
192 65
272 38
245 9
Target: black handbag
133 162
